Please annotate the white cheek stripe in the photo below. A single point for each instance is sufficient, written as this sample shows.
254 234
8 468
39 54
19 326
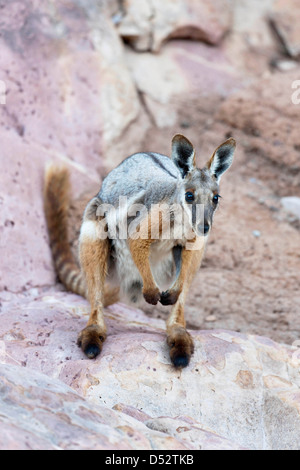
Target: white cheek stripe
89 231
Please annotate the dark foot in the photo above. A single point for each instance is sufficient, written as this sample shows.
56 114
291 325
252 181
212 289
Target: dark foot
169 297
152 296
91 340
182 347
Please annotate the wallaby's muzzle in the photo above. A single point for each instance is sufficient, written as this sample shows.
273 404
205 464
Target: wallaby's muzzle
203 229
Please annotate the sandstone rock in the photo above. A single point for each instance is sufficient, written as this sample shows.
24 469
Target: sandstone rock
70 97
242 388
26 261
68 93
41 413
147 24
251 44
266 113
184 73
292 205
250 22
64 75
189 431
285 65
285 18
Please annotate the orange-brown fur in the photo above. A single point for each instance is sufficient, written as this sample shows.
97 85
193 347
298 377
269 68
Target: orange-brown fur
179 340
95 252
94 258
56 205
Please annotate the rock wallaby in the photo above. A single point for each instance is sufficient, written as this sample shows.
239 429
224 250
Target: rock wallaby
147 228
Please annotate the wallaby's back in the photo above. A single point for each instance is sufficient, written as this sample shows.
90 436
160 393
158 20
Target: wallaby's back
147 178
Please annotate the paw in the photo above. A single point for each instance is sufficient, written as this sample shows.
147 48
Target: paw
181 347
91 340
169 297
152 296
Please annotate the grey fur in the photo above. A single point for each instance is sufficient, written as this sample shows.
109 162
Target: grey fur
148 179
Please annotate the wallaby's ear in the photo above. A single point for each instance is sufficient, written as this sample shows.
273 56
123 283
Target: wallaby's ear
222 158
183 154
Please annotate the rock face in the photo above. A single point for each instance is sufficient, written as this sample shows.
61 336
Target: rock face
273 125
40 413
76 89
239 391
64 102
292 205
73 76
285 18
147 24
182 69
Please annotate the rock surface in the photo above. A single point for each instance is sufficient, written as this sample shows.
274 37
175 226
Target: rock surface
72 76
242 388
273 125
146 24
65 102
292 205
285 18
71 91
183 70
40 413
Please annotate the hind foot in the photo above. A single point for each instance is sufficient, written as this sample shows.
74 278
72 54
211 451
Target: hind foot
181 346
91 340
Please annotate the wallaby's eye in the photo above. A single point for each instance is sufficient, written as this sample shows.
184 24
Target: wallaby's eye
189 196
216 198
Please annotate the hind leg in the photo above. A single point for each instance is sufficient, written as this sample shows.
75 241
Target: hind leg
111 295
94 254
179 340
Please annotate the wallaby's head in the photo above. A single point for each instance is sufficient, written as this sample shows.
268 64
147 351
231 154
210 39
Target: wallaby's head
200 187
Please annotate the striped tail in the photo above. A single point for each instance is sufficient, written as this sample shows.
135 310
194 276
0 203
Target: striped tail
56 203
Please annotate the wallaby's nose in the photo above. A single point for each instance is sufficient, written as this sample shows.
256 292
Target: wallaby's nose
204 229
